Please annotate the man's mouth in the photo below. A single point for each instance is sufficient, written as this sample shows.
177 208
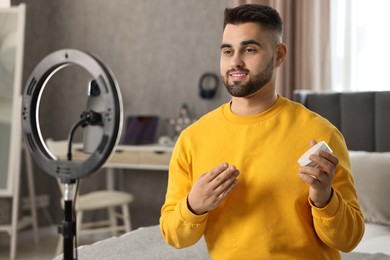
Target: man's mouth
237 75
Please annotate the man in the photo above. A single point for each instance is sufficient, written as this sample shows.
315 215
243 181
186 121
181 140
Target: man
234 176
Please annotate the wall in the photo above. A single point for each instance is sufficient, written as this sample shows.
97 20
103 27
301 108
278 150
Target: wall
157 50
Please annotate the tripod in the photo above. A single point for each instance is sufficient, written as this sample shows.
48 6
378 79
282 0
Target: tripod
68 228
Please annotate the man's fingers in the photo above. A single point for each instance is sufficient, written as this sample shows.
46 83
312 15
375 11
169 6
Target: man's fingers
229 188
217 170
330 157
309 179
223 177
313 174
326 161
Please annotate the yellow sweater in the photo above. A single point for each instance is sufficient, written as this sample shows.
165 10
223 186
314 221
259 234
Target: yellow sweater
268 215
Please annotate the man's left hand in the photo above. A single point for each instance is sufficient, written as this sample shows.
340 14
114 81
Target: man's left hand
320 177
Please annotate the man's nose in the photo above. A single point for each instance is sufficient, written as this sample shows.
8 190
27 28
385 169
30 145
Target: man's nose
237 60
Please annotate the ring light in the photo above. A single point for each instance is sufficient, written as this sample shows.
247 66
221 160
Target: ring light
111 103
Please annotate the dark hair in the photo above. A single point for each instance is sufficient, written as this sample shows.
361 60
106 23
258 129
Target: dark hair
264 15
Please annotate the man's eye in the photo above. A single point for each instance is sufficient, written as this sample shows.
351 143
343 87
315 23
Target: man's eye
227 52
250 50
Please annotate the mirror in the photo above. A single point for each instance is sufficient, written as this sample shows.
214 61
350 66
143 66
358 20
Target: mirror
11 57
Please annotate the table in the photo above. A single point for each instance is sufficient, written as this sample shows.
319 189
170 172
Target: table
141 157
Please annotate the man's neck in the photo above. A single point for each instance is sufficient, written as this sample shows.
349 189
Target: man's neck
258 103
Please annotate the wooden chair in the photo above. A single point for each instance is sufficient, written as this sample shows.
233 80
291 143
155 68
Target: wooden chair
21 222
110 200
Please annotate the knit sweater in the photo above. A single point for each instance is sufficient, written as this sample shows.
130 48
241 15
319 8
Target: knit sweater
269 214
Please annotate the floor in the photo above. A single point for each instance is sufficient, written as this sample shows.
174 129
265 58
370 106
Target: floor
28 250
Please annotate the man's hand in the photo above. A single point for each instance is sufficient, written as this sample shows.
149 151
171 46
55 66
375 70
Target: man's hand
211 188
320 177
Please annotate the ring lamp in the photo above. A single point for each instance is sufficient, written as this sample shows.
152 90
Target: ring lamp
110 114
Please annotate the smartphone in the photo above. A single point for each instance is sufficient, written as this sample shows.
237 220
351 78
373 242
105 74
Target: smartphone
93 134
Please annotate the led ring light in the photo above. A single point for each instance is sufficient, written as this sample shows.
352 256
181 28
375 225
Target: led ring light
112 115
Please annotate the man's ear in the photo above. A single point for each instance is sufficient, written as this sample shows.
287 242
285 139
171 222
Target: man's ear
281 53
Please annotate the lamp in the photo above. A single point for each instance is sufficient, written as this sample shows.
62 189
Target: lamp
110 122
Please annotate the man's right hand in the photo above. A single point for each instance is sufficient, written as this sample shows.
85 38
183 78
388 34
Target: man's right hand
211 188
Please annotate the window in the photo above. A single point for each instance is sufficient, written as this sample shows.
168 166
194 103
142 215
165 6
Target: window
360 45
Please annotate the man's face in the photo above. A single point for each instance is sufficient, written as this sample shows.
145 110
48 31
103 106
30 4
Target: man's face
247 59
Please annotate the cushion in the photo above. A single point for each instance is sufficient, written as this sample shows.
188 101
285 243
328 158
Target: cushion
371 172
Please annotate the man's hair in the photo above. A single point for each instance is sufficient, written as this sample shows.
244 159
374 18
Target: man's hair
264 15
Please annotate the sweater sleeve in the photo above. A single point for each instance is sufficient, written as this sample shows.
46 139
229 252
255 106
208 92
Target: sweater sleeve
179 226
340 224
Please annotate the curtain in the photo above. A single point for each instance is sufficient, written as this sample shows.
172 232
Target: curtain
307 35
359 30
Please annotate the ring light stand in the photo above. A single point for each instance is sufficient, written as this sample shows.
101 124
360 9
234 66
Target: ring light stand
109 114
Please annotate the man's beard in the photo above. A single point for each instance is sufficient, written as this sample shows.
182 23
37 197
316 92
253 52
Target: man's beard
239 89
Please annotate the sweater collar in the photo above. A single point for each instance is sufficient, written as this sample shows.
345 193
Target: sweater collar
244 120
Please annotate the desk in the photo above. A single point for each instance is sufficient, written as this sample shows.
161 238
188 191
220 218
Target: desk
141 157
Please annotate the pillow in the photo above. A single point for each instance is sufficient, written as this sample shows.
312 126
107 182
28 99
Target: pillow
371 172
